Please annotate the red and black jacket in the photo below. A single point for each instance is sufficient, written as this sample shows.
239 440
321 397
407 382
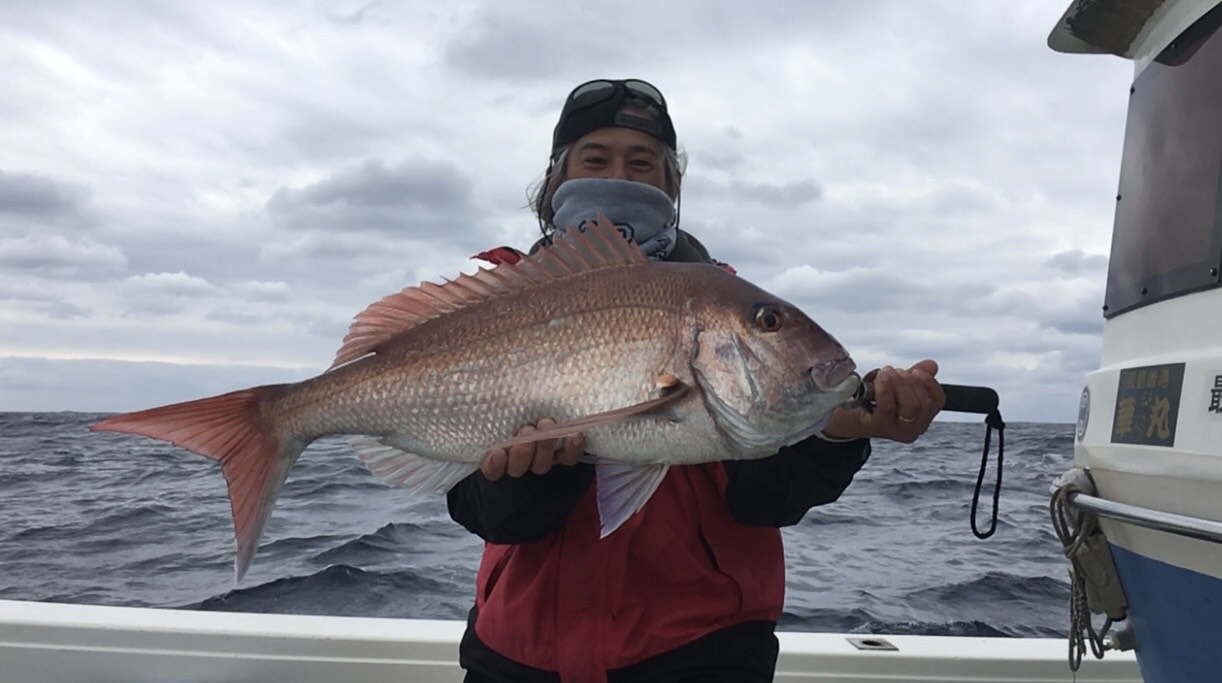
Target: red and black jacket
694 581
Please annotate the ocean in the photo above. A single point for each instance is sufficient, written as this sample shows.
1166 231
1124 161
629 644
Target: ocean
111 519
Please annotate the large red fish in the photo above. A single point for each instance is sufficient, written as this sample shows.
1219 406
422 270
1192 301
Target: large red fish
656 363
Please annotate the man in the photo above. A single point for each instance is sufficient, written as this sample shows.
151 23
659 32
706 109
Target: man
691 587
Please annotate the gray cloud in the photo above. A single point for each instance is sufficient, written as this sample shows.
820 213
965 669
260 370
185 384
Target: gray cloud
1077 312
33 297
1073 324
352 18
57 257
776 195
504 44
724 159
62 310
417 196
238 317
262 291
175 284
598 39
320 246
860 290
36 196
203 248
331 328
1052 306
1077 263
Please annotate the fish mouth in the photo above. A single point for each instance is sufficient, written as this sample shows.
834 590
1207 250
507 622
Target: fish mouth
835 375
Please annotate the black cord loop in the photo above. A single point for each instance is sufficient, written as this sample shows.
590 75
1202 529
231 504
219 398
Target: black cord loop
992 421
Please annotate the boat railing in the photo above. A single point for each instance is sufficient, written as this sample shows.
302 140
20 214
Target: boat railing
1180 525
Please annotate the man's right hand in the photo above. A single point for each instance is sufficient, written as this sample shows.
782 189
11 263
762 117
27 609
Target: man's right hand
532 457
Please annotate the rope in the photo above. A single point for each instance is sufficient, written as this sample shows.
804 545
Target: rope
1073 527
993 421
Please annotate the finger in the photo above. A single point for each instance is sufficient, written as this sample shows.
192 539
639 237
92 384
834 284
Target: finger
884 395
521 455
914 384
574 448
927 366
908 398
934 390
545 451
545 456
493 465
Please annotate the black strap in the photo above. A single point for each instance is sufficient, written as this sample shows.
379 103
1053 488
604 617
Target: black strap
963 399
967 399
993 421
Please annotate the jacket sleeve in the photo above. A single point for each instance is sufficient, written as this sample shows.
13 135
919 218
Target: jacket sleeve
779 490
522 509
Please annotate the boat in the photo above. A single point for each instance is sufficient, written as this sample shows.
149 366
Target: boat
1141 512
61 643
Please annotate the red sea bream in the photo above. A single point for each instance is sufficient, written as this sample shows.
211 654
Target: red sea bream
656 363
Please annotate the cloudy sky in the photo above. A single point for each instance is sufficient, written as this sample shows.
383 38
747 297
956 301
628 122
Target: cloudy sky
197 197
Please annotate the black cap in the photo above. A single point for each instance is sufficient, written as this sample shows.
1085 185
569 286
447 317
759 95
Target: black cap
597 104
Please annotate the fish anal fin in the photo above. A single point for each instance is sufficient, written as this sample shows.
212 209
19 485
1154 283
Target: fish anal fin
236 429
415 473
600 246
581 424
623 490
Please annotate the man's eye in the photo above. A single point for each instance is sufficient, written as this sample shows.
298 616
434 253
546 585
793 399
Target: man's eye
642 165
594 161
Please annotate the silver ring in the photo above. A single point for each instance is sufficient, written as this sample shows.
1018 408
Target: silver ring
906 420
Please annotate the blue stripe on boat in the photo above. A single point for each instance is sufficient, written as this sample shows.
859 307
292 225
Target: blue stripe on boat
1177 616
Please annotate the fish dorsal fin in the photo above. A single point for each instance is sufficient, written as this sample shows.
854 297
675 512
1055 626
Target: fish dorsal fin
596 246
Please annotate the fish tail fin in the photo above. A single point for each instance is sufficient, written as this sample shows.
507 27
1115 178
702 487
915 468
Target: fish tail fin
242 431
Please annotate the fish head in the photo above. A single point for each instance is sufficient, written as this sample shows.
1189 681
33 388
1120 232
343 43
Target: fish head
770 375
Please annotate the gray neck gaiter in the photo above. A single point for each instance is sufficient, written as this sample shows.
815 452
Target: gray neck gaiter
642 213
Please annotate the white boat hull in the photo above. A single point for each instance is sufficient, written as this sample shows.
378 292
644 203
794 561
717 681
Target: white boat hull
1173 584
62 643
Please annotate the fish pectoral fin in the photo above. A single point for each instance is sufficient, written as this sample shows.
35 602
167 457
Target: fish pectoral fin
623 490
565 429
419 475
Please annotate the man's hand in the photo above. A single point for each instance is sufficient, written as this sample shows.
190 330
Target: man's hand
535 457
905 402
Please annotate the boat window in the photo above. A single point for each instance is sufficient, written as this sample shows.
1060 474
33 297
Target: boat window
1167 238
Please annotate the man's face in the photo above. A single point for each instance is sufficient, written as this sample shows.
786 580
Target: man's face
620 153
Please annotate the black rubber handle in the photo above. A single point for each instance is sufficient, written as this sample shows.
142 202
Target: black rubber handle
966 399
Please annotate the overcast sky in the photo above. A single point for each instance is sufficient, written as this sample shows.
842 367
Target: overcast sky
197 197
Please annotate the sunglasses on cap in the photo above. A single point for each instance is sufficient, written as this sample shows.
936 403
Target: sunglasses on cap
599 90
597 104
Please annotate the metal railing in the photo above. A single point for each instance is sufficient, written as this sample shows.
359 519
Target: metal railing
1180 525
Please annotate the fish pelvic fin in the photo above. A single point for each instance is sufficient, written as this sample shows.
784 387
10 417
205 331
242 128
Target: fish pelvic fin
599 246
623 490
655 407
238 429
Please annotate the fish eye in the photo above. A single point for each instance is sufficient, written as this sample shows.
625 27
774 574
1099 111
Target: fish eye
769 318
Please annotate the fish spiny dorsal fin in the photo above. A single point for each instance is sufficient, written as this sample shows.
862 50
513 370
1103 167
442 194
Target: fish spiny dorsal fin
596 246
